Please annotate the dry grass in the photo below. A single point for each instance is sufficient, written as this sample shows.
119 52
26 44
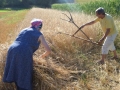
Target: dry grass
9 21
71 64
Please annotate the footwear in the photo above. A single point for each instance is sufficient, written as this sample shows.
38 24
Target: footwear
100 62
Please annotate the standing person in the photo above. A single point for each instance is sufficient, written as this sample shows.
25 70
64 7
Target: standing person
19 63
110 32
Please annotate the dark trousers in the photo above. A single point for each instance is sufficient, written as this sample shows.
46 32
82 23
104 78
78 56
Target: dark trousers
19 88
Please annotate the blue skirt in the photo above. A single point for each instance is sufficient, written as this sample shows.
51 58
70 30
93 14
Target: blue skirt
19 65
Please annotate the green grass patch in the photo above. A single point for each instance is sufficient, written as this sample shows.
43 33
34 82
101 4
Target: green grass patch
12 16
9 19
3 11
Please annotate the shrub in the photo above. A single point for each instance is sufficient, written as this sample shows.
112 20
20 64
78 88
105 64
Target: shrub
110 6
67 7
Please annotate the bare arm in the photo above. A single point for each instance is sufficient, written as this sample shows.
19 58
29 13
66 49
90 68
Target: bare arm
47 48
89 23
104 36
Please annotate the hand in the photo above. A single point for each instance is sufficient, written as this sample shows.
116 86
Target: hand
100 41
82 26
42 56
78 30
45 54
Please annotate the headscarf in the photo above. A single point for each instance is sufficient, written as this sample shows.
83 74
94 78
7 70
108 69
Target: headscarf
36 22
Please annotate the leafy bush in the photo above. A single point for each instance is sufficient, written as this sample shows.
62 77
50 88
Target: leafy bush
67 7
110 6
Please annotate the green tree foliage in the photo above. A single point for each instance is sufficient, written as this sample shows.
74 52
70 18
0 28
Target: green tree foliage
27 3
13 2
44 3
2 3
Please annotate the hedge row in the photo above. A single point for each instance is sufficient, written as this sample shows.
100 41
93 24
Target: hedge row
110 6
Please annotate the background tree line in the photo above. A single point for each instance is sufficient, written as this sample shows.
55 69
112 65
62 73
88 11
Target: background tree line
28 3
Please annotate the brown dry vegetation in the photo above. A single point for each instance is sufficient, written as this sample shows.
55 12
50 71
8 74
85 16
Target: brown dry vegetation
8 24
71 64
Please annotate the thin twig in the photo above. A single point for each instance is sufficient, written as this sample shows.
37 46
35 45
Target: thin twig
72 21
79 38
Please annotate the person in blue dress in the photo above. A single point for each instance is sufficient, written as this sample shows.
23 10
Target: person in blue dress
19 61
